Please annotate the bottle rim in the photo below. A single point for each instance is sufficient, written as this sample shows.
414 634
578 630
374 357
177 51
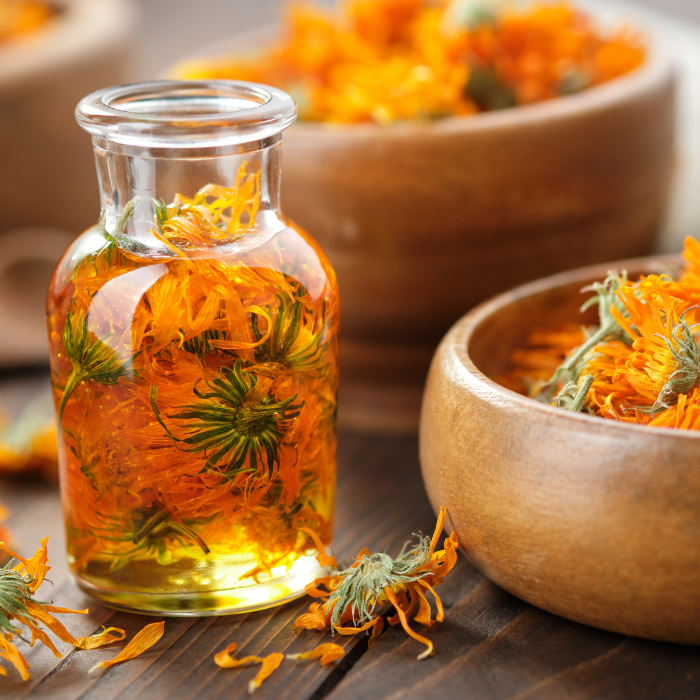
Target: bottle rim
186 113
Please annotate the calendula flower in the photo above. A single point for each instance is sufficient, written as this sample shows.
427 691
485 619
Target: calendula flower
18 585
385 61
665 361
353 595
644 366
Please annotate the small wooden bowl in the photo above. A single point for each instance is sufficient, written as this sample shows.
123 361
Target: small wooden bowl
422 221
590 519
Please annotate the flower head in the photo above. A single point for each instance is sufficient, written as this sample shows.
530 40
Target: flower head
354 594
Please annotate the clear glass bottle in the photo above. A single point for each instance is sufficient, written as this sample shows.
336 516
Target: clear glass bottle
193 337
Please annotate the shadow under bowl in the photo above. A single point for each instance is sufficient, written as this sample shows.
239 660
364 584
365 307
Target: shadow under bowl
592 519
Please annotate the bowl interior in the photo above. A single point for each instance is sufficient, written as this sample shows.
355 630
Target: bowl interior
503 324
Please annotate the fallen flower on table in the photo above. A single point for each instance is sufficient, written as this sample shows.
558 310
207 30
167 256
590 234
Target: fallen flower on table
326 653
17 587
269 664
354 594
142 641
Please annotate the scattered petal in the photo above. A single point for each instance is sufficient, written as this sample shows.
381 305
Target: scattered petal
269 665
326 653
101 639
224 659
144 640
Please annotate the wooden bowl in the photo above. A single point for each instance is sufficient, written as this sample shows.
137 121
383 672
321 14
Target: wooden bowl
422 221
588 518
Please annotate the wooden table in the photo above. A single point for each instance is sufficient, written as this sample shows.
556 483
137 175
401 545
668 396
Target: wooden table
491 645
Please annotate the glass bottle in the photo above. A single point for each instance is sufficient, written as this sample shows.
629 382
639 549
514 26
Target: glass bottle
193 338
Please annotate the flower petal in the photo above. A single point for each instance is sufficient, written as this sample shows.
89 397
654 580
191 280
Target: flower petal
144 640
327 652
269 665
99 640
224 659
322 558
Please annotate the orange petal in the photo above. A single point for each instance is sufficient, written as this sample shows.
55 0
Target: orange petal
358 557
404 623
37 612
327 652
9 651
99 640
438 529
224 659
323 559
144 640
376 631
356 630
269 665
314 620
424 616
313 590
441 612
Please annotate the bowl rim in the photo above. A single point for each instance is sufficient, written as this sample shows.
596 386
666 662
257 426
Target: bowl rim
460 335
657 69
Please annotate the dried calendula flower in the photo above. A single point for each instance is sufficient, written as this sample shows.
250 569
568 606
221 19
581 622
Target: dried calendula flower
17 587
142 641
326 654
640 364
268 664
354 594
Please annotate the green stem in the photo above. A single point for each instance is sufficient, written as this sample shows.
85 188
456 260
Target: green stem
581 394
71 385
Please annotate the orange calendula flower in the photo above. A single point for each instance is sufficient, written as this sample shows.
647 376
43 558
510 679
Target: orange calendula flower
394 60
326 654
353 595
17 587
641 364
141 642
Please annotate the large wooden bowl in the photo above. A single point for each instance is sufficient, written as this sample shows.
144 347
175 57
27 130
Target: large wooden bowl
591 519
424 220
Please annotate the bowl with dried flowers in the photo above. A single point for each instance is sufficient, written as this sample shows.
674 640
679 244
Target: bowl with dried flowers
565 444
428 194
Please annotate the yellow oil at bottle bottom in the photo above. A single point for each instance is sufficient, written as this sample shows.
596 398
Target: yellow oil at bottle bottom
192 586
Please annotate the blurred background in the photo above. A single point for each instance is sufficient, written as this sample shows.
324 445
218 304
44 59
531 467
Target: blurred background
48 188
169 29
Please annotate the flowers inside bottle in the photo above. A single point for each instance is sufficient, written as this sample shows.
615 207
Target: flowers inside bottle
193 338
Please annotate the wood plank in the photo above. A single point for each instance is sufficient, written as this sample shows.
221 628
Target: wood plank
181 665
490 647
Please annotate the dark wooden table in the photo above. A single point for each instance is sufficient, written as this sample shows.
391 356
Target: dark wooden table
491 645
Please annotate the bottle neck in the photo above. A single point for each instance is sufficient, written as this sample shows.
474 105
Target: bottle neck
138 188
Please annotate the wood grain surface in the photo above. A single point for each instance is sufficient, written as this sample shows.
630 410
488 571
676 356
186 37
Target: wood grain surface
491 645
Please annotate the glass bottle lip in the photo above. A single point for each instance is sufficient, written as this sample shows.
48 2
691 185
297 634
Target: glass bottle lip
186 113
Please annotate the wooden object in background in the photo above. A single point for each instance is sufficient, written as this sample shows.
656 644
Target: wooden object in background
592 519
423 221
47 170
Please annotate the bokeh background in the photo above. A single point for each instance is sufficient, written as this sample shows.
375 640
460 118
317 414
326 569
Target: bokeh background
170 28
